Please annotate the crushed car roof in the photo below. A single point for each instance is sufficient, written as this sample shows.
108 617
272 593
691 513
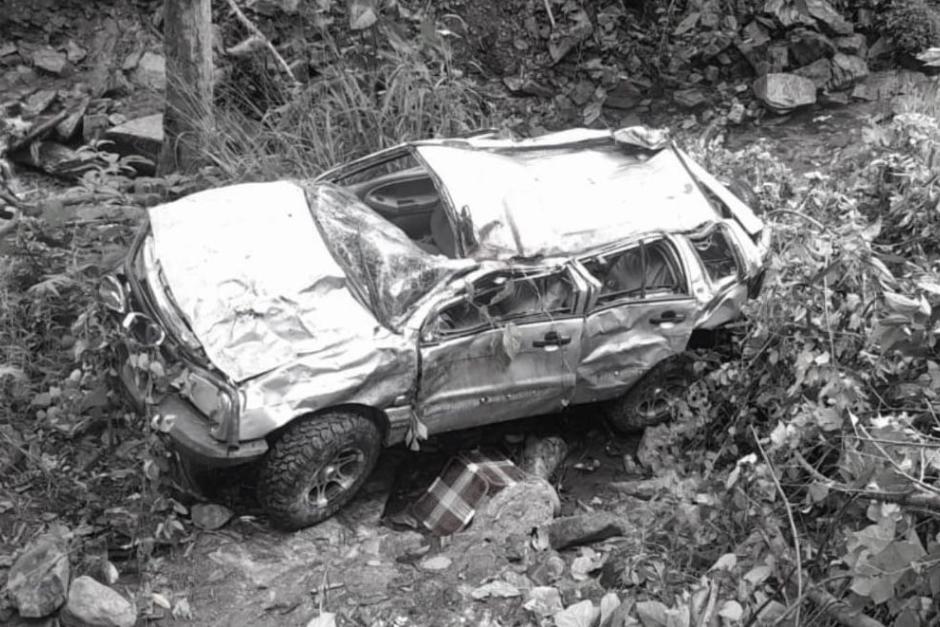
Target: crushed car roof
567 192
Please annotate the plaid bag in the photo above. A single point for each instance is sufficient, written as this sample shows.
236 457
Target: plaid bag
448 505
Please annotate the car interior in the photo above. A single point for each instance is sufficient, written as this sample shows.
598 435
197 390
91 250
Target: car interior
640 272
402 192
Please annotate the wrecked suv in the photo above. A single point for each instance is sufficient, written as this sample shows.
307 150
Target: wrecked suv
433 286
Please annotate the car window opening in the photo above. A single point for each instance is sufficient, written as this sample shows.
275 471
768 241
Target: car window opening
644 271
506 298
402 191
717 255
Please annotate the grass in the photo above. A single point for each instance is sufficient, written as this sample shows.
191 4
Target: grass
352 109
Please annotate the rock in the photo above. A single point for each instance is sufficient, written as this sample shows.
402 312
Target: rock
737 113
829 17
210 516
404 546
142 136
131 60
690 98
786 13
624 96
498 589
93 126
151 71
755 34
7 48
543 601
49 60
564 40
68 128
92 604
548 568
39 101
479 560
369 583
808 45
784 92
74 53
541 456
582 92
819 71
582 529
853 44
527 87
890 83
518 508
847 71
582 614
38 581
436 563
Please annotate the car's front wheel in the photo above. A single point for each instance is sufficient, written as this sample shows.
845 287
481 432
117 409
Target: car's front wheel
316 466
652 399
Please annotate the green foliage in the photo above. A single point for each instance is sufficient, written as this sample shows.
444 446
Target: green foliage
912 25
403 90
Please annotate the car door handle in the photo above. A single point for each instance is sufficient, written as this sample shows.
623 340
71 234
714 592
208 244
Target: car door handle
668 317
551 339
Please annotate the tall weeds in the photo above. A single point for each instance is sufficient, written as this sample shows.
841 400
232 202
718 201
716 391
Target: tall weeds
352 108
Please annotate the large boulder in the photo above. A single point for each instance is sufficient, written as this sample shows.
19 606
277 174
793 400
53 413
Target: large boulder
807 45
828 17
38 581
819 71
92 604
847 71
49 60
517 509
783 92
142 137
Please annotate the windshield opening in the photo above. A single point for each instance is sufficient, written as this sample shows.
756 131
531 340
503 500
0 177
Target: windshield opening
388 272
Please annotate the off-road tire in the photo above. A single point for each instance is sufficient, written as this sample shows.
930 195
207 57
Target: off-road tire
299 460
649 401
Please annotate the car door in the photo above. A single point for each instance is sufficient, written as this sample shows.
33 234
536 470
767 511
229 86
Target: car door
641 312
506 348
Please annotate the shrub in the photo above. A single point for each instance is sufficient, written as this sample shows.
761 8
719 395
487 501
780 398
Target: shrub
911 25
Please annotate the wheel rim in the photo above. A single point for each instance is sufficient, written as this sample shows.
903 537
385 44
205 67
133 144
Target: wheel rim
336 476
657 403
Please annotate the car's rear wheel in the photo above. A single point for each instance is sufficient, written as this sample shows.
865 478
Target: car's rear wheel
316 466
651 401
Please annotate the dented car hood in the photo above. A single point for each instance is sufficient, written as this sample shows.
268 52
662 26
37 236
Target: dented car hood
252 276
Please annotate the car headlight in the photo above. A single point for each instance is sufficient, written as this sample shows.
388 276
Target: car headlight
215 400
112 294
142 330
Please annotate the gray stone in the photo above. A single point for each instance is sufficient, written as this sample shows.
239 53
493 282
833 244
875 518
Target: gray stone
543 601
853 44
785 92
889 83
829 17
38 580
92 604
582 92
519 508
808 45
141 136
755 34
210 516
74 53
541 456
582 529
690 98
50 60
847 71
624 96
93 125
39 101
819 71
737 113
151 71
67 128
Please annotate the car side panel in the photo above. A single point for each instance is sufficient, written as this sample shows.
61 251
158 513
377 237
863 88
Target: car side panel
472 381
621 343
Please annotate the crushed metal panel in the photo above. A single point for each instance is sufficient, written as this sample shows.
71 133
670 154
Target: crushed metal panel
528 203
254 279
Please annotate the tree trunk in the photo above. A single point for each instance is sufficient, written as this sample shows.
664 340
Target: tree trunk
187 119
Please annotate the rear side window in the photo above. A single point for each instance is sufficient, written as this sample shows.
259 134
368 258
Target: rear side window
717 255
645 271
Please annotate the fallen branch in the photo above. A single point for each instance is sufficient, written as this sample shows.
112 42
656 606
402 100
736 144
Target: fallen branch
839 611
910 498
256 32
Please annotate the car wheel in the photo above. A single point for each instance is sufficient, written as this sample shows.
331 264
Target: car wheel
651 400
316 466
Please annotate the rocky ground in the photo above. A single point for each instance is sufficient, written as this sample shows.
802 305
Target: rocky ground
564 547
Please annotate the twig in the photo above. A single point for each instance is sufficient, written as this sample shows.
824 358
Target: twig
839 610
796 537
551 16
254 30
